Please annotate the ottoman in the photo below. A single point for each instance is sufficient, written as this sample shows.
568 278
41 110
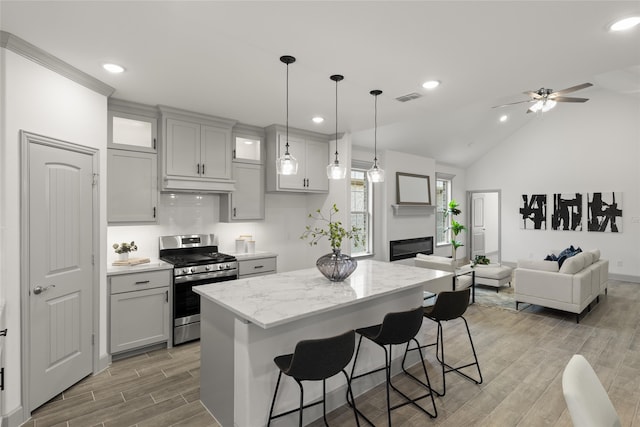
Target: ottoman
493 275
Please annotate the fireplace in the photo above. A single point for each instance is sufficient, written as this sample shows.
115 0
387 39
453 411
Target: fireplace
408 248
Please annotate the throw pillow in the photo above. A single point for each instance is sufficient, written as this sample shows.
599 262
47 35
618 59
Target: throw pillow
551 257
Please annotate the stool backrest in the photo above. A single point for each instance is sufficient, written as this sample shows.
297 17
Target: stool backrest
318 359
399 328
450 305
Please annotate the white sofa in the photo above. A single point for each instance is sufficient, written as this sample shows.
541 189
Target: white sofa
572 287
459 280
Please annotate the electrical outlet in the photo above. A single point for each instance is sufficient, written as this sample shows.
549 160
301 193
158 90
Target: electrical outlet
635 219
619 263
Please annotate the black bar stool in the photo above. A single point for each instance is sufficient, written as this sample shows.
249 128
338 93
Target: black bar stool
396 328
450 305
315 360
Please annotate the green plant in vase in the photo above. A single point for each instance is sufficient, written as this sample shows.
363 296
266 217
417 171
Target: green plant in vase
456 228
335 266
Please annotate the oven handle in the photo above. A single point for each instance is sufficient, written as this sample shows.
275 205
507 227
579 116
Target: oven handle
205 276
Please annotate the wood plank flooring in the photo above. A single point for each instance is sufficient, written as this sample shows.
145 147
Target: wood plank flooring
522 356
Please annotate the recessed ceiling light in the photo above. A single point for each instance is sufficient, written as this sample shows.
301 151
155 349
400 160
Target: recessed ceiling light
503 118
625 24
113 68
431 84
317 119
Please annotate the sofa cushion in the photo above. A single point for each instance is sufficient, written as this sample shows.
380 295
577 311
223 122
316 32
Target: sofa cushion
530 264
575 263
596 254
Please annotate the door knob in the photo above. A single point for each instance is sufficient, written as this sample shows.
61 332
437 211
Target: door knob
40 289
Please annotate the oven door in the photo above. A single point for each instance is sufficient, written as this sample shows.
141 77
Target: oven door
186 308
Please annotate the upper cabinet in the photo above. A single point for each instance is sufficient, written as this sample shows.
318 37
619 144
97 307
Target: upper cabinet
246 203
197 152
312 152
132 126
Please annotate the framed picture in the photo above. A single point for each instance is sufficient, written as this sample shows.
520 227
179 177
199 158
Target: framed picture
605 212
412 189
567 212
533 212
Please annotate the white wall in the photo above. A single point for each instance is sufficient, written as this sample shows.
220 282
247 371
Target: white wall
590 147
40 101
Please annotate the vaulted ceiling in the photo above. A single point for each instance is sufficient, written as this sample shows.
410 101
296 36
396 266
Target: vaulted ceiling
222 58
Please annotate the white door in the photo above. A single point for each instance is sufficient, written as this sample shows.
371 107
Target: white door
60 270
478 226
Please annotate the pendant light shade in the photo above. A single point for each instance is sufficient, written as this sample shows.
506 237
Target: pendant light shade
287 164
335 170
375 174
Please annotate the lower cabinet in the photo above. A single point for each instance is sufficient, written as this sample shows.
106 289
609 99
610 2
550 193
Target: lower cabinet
140 310
256 267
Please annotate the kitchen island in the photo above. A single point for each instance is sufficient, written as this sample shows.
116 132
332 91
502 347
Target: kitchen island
247 322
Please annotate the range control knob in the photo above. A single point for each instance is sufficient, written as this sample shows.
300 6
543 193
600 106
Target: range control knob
208 268
227 266
220 266
185 270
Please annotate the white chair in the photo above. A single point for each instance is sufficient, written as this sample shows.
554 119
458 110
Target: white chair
587 400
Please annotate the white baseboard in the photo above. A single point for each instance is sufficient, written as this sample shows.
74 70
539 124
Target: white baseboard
13 419
625 278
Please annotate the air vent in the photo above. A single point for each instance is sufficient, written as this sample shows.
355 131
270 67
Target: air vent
408 97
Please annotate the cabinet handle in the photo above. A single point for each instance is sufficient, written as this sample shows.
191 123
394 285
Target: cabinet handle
166 296
203 169
154 143
234 211
198 168
2 379
234 153
154 211
3 333
259 266
142 282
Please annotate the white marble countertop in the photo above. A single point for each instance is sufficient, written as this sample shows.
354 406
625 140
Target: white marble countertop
256 255
153 264
276 299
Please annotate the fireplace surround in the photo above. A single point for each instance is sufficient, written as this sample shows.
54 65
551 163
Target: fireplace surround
408 248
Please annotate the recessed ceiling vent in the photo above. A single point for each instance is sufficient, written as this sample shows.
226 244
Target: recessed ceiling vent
408 97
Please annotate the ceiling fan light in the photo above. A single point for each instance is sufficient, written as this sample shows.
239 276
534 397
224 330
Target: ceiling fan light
625 24
336 171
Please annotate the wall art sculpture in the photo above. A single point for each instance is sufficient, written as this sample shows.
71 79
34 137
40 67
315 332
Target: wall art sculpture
533 212
567 212
604 212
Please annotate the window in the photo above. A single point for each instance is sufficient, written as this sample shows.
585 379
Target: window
361 211
443 221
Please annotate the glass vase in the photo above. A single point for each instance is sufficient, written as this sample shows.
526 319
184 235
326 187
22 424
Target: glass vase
336 266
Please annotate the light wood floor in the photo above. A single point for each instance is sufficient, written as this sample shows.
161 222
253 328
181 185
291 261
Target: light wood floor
522 356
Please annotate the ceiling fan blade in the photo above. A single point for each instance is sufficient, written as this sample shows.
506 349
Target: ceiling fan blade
512 103
530 111
572 89
569 99
534 95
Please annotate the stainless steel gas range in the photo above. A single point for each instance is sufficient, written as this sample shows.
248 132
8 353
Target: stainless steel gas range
196 261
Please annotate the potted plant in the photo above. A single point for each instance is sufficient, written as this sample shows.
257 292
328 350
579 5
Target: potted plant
456 228
124 248
335 266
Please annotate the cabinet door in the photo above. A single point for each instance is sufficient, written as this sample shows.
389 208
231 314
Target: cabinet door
297 149
247 202
139 318
316 166
183 148
132 186
247 149
132 132
215 154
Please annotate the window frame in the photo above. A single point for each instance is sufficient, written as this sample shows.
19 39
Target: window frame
362 167
441 211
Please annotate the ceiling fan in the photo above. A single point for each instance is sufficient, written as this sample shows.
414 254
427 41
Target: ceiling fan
545 99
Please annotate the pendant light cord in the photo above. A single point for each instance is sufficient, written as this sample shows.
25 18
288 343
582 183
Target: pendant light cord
375 132
286 151
337 120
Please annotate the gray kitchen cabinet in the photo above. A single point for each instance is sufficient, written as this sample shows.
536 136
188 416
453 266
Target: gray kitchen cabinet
197 152
258 266
247 201
312 152
132 186
132 126
139 310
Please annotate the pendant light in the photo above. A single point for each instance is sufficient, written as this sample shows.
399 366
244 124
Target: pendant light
335 170
287 164
375 174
